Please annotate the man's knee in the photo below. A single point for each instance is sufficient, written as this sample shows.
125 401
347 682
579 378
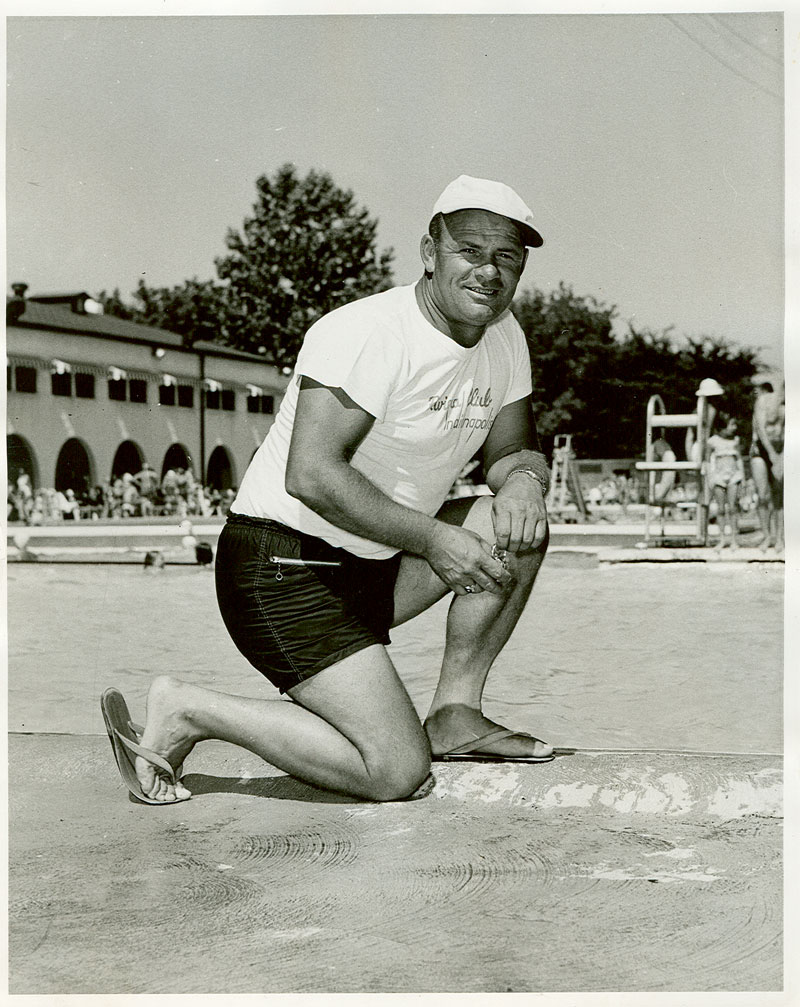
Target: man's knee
397 775
479 519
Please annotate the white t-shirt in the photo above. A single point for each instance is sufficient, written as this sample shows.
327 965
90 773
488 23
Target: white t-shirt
433 400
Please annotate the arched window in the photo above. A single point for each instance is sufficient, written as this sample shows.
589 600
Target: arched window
219 473
21 460
128 458
177 457
74 469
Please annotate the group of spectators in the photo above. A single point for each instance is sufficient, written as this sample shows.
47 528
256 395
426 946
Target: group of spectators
622 490
142 494
616 490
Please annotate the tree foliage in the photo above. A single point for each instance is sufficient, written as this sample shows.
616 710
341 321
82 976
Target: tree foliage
195 310
591 384
307 248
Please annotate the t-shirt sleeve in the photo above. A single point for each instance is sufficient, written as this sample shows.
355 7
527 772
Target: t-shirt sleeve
520 386
356 353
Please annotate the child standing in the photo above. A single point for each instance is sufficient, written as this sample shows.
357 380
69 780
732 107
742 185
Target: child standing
725 475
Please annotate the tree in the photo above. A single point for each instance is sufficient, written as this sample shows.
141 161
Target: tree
307 249
596 386
195 310
571 343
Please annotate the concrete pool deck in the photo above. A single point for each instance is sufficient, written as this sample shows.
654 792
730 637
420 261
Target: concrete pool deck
596 872
651 860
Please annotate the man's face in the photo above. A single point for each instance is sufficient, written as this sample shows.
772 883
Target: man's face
476 266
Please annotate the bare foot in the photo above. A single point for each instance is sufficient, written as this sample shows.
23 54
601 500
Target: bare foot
168 734
455 724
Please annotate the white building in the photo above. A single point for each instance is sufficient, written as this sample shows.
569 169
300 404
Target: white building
91 396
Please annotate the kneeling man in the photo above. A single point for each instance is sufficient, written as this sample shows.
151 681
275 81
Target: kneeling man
342 529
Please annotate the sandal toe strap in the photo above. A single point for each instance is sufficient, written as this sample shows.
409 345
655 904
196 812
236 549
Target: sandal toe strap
146 753
487 739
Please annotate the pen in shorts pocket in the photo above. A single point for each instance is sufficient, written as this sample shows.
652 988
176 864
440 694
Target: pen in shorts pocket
290 561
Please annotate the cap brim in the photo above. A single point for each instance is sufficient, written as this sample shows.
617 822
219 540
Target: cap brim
530 237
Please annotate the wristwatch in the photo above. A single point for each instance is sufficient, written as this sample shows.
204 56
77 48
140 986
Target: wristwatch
533 474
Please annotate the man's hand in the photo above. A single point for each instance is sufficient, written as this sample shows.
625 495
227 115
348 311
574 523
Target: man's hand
519 514
464 561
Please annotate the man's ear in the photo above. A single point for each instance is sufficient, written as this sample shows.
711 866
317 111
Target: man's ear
524 260
427 251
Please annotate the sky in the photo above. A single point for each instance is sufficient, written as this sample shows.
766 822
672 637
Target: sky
650 147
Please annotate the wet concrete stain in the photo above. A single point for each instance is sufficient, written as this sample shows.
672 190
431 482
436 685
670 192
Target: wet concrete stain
451 893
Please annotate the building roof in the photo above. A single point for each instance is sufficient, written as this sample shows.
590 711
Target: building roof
221 350
60 316
55 311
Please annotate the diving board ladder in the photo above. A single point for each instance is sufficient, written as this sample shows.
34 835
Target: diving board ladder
657 420
565 479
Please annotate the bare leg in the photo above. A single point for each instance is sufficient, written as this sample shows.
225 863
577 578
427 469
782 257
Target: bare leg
351 728
760 472
478 626
718 495
731 498
777 509
779 533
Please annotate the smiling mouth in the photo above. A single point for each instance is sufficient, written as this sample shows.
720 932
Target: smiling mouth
483 291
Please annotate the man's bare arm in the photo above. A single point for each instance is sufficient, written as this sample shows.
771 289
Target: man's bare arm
513 442
520 517
328 428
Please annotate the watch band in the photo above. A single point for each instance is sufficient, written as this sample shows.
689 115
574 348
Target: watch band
536 476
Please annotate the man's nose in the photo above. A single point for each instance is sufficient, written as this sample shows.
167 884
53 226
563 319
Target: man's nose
487 270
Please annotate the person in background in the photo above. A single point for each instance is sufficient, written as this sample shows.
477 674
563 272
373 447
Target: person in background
766 457
68 505
709 389
725 476
24 495
130 496
169 491
147 483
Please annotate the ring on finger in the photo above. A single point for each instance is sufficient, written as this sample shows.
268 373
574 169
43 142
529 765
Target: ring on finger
470 588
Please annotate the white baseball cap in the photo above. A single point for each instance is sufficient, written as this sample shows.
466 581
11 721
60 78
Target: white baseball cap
708 386
468 193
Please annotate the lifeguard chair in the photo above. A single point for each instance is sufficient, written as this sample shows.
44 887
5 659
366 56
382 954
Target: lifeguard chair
658 420
565 480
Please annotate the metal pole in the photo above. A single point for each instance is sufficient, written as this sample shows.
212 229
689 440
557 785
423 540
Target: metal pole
202 420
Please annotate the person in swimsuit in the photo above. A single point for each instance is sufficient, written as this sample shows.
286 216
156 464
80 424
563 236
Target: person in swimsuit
766 458
725 476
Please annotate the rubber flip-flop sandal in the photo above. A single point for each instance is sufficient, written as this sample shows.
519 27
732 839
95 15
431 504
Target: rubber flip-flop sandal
469 752
124 736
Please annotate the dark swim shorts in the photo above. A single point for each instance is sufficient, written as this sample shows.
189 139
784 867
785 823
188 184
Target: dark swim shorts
291 622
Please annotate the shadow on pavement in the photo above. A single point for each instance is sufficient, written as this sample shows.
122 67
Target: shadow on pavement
284 788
